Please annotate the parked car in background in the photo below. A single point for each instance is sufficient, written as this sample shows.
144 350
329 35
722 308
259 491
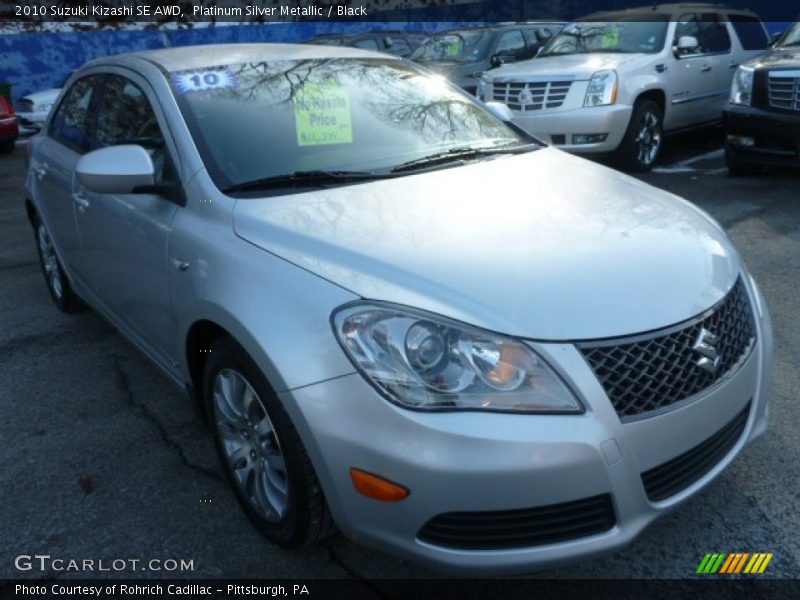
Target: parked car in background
404 316
32 110
399 43
615 82
9 129
762 119
463 55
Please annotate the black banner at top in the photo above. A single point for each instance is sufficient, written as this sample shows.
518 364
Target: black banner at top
187 12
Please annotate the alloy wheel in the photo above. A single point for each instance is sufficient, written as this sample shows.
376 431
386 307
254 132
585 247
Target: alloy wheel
648 139
250 444
50 262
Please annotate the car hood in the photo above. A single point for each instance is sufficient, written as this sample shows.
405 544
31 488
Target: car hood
788 58
542 245
579 66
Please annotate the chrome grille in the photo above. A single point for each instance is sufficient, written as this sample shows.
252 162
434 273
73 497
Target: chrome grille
24 106
645 374
784 90
527 96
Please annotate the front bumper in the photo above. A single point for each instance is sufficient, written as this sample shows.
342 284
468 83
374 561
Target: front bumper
559 127
31 123
454 462
775 135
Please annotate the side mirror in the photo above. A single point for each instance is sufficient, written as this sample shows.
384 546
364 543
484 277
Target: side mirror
686 44
116 170
539 50
499 110
388 42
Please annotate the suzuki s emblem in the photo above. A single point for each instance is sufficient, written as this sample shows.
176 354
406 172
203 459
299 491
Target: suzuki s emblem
525 97
706 346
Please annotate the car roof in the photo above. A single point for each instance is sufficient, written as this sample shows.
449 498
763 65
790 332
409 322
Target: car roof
669 9
214 55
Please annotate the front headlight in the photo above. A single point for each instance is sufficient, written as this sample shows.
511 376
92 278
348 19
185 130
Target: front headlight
742 86
480 94
427 362
44 107
602 89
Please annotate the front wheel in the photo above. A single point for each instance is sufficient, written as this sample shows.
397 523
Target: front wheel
57 283
261 452
643 139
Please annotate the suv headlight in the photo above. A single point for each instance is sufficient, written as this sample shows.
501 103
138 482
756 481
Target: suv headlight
602 89
426 362
480 93
742 86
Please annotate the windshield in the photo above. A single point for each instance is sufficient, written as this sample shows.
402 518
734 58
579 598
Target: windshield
629 36
455 46
267 119
791 37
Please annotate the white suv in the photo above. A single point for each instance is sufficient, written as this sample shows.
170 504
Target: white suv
615 82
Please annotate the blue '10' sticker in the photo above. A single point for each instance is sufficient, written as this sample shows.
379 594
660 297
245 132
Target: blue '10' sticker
201 81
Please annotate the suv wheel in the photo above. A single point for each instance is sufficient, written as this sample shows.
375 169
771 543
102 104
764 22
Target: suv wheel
261 452
65 299
643 139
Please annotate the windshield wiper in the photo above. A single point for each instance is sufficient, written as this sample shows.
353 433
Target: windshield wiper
300 178
455 154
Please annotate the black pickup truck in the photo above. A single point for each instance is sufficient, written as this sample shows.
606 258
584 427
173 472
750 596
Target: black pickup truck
762 118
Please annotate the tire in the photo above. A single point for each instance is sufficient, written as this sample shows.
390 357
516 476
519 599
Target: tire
7 147
260 450
738 167
58 285
644 138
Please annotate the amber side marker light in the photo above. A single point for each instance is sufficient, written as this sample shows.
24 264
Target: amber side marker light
376 487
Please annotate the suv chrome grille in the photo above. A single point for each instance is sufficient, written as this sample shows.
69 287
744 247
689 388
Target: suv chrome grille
521 96
645 374
784 90
24 106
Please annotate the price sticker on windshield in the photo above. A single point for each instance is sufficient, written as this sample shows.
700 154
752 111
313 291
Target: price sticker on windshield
611 37
322 114
204 80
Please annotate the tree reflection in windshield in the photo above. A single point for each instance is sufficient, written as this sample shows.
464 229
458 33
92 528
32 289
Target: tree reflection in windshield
279 117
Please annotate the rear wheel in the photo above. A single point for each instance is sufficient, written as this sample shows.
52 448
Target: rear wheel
57 283
7 147
643 139
261 452
738 167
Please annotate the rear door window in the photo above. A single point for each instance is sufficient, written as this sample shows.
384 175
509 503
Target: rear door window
750 32
715 36
72 122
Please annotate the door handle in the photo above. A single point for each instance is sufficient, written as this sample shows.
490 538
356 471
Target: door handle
705 69
733 65
40 172
82 202
180 264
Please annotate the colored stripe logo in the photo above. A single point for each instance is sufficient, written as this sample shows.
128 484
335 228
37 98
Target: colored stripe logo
735 562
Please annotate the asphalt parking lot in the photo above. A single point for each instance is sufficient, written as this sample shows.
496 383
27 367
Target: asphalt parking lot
103 458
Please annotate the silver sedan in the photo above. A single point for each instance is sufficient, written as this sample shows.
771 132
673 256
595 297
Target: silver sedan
403 316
